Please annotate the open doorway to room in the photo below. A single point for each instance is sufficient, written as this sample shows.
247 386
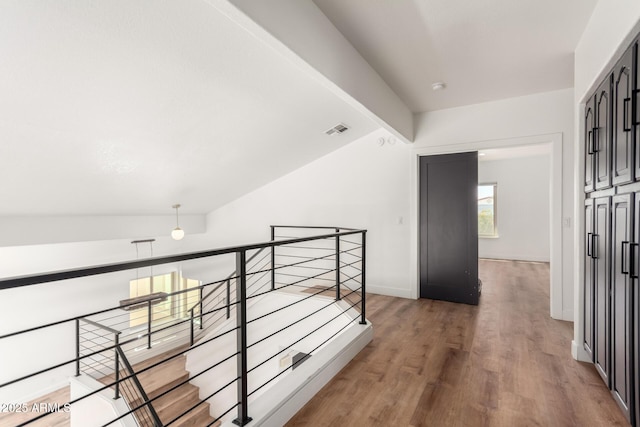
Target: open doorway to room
514 216
514 202
560 294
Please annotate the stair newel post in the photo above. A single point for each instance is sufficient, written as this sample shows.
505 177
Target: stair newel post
77 347
116 338
201 305
363 279
273 259
337 265
149 323
241 338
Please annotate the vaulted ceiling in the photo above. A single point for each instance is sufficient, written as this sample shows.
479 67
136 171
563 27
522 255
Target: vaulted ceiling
124 107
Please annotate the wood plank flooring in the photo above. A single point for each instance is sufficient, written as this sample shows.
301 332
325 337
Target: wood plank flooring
504 362
60 418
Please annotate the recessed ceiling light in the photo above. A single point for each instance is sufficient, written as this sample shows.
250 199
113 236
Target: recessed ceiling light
481 154
438 86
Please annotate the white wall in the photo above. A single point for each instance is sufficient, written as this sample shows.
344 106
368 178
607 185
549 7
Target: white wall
523 201
367 186
613 25
362 185
611 28
40 230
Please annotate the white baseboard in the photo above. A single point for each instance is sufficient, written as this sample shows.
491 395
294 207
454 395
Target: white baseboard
392 292
578 352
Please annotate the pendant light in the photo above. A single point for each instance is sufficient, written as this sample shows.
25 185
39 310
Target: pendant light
177 233
142 301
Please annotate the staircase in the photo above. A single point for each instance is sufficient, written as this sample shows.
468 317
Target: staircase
164 377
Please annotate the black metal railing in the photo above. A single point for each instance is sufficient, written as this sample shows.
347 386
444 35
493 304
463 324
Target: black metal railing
100 356
325 265
135 396
207 308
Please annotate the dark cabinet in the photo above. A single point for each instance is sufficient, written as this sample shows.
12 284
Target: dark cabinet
588 279
634 254
635 79
589 158
611 320
601 258
621 365
601 137
622 153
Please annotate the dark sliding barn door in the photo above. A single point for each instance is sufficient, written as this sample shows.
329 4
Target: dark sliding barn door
449 227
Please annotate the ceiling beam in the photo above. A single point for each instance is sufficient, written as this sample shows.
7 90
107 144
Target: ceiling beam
299 31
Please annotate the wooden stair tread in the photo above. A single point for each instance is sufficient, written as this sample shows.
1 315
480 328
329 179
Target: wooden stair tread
198 419
200 411
162 378
185 391
176 402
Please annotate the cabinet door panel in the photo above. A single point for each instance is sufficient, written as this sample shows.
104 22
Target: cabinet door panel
589 158
623 129
635 292
588 279
635 102
601 257
602 136
621 302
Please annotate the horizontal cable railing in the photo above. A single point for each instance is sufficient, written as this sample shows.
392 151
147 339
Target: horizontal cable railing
314 277
207 309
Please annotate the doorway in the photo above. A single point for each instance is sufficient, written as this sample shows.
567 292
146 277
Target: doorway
514 203
558 310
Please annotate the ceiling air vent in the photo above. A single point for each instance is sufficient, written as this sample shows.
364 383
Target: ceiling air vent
337 129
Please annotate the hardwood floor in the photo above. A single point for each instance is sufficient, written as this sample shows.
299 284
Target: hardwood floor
433 363
60 418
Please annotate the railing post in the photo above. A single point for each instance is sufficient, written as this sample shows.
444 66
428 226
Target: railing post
273 259
241 338
149 308
192 319
117 362
228 298
337 265
201 307
77 347
363 313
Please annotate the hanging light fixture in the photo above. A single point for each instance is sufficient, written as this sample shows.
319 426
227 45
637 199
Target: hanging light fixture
141 301
177 233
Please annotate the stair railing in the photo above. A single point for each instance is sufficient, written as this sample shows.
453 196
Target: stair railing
296 266
100 356
134 392
203 306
